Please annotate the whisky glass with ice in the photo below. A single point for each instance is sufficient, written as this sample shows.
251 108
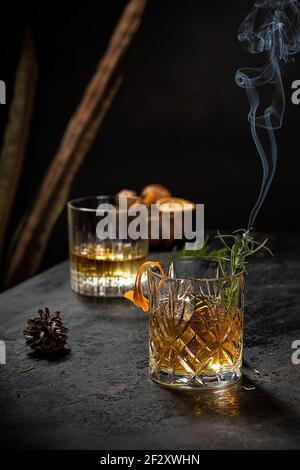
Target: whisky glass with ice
195 325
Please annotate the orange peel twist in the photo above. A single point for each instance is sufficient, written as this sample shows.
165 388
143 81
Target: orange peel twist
136 296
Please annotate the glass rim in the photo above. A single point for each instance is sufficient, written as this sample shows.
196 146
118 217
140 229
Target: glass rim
72 204
198 279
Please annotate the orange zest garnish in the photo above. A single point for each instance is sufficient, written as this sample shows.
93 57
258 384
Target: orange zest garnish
136 296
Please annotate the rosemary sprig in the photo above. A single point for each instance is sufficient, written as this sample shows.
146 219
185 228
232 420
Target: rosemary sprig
199 252
204 252
235 250
237 253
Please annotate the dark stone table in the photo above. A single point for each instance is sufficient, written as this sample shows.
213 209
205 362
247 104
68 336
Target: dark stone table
98 395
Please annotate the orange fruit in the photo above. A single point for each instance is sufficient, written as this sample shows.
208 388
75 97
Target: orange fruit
151 193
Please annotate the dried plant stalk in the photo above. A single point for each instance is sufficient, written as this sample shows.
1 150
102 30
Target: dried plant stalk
36 228
16 132
60 197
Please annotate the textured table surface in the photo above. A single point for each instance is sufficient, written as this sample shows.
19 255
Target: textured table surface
98 395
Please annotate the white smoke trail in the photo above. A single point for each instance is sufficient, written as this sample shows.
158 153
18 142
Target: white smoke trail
273 28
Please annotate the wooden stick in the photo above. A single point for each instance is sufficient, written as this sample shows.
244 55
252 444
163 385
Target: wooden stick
36 228
16 132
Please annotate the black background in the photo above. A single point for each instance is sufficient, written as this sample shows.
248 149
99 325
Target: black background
179 118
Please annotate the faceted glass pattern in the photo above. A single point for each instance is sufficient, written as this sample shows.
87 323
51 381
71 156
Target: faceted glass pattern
196 331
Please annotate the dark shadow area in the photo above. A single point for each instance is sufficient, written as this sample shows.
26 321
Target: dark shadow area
246 403
179 118
58 356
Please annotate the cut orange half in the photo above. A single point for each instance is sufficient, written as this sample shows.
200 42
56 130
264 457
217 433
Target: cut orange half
136 296
174 204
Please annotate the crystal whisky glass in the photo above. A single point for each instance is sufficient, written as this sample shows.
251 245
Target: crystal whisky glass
196 325
102 267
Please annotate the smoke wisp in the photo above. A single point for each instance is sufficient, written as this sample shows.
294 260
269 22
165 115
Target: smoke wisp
271 28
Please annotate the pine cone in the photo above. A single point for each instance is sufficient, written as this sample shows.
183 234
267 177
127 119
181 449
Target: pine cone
47 333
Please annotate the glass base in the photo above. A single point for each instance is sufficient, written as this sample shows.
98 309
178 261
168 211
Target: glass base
100 287
196 381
